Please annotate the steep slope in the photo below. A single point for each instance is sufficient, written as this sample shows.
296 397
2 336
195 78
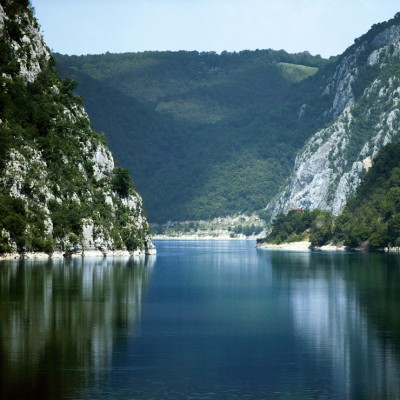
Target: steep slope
365 86
59 186
372 217
204 135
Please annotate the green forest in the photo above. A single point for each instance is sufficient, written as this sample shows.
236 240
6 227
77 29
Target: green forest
370 220
204 135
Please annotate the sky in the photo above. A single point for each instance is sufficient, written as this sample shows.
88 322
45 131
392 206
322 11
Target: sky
325 27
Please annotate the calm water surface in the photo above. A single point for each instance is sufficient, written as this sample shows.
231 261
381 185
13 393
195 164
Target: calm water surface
202 320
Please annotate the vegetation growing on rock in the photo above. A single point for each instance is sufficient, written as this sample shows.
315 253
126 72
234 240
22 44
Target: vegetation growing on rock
58 182
371 218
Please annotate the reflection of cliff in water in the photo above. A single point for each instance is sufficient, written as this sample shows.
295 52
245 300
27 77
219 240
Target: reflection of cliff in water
345 311
58 321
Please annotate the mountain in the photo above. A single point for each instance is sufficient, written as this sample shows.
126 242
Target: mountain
370 219
256 131
204 135
365 84
59 185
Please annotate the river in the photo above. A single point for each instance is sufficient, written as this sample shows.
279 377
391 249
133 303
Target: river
202 320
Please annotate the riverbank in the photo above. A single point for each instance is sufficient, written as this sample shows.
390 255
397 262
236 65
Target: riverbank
299 246
86 254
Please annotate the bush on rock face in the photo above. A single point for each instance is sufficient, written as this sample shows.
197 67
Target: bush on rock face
121 181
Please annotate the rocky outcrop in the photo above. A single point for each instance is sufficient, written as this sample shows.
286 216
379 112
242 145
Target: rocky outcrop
385 46
27 45
332 163
379 46
57 176
339 86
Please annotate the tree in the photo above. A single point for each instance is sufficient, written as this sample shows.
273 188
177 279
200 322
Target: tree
393 230
121 181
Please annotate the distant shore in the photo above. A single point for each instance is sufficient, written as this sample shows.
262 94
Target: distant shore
199 237
300 246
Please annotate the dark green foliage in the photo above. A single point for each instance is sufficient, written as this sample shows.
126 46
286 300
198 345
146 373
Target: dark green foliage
67 218
68 85
122 182
365 76
204 135
315 225
13 29
12 7
13 219
321 228
131 239
8 64
372 217
248 230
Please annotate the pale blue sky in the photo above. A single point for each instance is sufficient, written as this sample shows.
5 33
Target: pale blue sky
325 27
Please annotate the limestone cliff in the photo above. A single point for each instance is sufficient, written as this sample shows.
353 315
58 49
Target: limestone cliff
59 186
365 92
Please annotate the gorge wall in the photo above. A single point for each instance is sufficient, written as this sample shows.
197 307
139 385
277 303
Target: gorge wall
365 86
59 185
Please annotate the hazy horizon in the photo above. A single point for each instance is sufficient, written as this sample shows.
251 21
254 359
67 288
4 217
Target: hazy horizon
98 26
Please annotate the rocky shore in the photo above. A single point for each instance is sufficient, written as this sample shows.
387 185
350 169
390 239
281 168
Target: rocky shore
300 246
85 254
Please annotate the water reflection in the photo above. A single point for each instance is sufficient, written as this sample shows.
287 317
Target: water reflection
60 320
220 321
344 311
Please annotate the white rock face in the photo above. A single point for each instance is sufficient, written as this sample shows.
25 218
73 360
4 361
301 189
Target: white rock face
88 239
384 44
2 16
314 172
25 171
332 163
31 48
340 85
103 163
28 172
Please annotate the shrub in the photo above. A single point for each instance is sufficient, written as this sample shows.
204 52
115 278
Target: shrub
121 181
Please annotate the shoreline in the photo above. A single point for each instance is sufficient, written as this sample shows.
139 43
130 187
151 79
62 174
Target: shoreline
306 246
56 255
195 237
303 246
300 246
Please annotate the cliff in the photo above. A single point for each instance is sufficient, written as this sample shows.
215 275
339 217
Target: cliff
59 186
365 88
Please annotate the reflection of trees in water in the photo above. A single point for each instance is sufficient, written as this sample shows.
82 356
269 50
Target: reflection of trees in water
378 284
58 321
345 308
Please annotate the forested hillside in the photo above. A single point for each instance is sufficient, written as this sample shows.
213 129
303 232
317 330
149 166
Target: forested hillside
210 135
204 135
371 218
59 186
